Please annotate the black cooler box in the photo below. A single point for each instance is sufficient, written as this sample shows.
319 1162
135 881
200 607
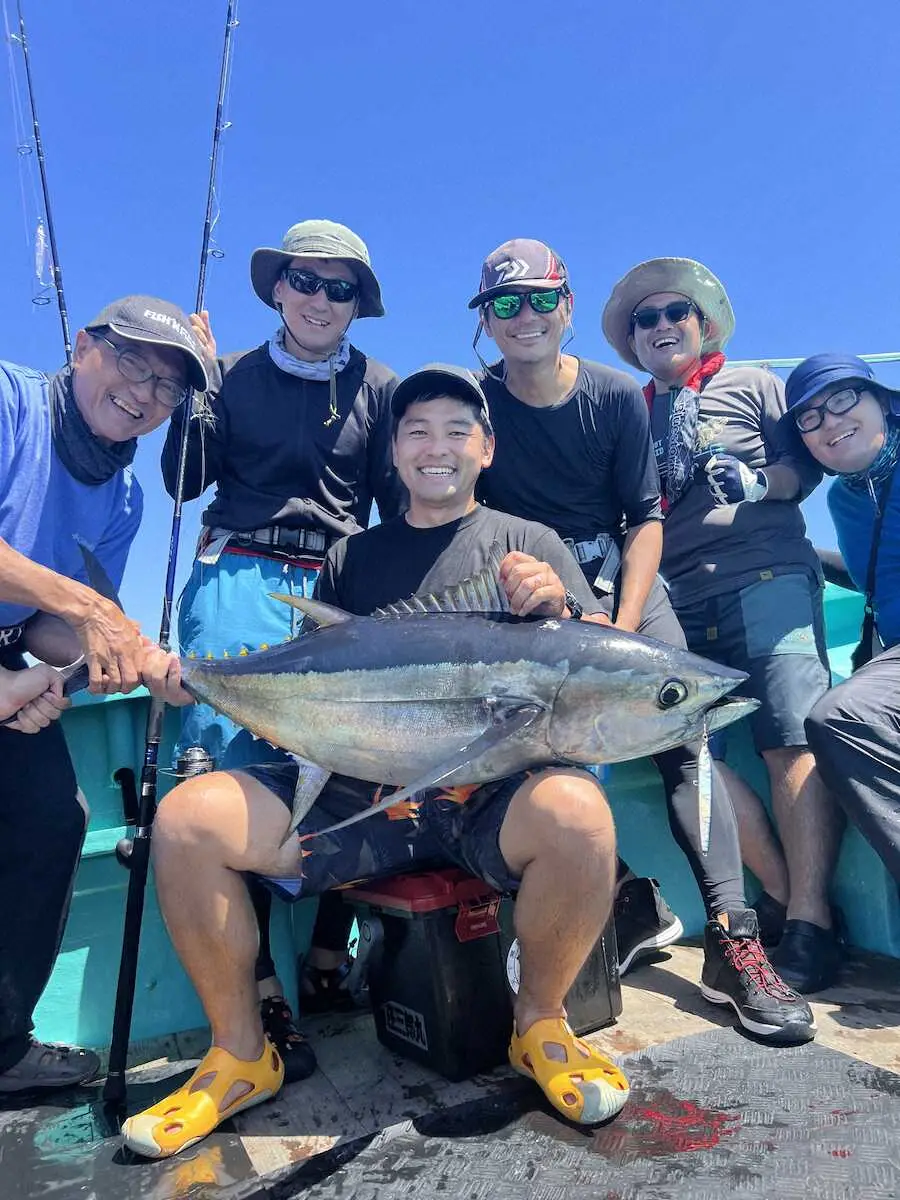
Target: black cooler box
442 960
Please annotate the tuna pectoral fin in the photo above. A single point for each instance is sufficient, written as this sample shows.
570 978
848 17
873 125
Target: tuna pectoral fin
310 782
509 718
322 614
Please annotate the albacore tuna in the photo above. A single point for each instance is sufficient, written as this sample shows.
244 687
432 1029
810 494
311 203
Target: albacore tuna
424 693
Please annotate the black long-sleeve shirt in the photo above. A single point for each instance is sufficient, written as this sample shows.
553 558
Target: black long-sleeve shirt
275 459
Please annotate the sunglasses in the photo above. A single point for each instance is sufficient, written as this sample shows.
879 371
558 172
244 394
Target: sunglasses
510 305
338 291
808 420
675 313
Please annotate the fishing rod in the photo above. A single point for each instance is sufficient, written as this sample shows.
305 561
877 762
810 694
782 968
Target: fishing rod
138 858
55 269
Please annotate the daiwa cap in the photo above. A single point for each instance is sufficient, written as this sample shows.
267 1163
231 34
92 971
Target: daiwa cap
442 379
682 275
148 319
522 262
318 239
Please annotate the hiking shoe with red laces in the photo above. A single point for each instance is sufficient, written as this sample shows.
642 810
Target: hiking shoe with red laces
736 971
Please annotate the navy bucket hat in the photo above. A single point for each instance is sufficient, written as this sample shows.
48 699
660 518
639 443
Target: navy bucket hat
822 371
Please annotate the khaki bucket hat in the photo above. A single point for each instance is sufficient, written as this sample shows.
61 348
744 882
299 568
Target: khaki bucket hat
681 275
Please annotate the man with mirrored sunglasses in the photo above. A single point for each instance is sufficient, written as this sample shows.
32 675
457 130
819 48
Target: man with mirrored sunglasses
573 451
66 446
297 444
744 579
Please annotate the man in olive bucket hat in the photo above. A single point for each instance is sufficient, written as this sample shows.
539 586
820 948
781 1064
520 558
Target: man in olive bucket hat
744 580
297 442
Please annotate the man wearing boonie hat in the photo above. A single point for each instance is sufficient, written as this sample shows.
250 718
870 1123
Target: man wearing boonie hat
66 446
850 424
573 451
743 578
296 443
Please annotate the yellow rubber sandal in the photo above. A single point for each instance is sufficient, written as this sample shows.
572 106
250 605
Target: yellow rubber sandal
198 1106
578 1081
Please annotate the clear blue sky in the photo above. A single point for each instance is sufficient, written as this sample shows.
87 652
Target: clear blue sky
759 138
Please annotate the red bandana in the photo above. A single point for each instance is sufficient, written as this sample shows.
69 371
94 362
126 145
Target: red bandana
708 366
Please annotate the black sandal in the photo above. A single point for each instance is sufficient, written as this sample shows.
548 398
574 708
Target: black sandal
278 1022
324 991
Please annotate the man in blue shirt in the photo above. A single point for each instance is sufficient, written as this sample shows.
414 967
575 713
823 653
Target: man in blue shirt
66 445
850 424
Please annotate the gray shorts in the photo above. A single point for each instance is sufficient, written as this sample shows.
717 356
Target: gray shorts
774 629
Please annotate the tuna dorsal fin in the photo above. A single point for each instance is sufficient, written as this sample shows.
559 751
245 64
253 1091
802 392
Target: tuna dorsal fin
322 614
481 593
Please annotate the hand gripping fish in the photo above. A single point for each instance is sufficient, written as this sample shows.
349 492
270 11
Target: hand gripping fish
452 690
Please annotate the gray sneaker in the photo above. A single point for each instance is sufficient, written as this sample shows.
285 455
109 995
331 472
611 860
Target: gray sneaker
49 1065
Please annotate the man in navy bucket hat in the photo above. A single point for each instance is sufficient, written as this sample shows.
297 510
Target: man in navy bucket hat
850 424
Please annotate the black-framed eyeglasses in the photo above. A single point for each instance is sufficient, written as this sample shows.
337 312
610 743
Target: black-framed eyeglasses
509 304
809 419
338 291
675 312
135 368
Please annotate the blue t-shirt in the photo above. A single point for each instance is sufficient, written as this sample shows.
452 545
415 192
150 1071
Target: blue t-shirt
854 515
44 512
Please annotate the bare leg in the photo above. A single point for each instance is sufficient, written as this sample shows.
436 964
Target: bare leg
558 835
760 848
811 826
209 830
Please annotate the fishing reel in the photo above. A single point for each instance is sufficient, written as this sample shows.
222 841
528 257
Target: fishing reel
194 760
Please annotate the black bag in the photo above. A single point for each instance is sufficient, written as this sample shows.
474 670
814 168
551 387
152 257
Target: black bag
870 644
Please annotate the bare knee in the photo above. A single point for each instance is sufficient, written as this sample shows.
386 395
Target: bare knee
558 810
193 814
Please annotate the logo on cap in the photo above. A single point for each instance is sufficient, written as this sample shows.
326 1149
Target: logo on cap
165 319
512 268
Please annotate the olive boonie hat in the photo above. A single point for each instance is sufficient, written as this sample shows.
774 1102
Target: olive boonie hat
318 239
682 275
149 319
445 379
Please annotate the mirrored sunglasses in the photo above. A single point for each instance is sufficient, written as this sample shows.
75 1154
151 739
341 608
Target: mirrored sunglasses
509 305
675 312
338 291
809 419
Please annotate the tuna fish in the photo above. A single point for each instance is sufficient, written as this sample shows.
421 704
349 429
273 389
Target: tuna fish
423 693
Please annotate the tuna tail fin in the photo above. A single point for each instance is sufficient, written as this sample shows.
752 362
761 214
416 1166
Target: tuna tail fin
322 614
481 593
97 576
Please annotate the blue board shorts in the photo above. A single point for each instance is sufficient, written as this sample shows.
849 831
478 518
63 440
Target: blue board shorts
774 629
226 607
440 827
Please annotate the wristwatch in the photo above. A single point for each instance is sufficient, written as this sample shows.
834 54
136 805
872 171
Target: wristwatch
576 612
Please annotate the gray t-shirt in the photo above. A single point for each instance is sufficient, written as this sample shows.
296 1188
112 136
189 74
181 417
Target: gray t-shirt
710 549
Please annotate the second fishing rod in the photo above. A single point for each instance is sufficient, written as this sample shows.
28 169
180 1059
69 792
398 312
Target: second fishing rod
115 1088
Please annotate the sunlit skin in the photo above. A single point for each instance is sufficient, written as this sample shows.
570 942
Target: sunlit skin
315 325
440 448
114 408
669 351
848 441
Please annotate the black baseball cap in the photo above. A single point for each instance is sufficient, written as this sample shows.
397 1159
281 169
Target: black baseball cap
149 319
446 380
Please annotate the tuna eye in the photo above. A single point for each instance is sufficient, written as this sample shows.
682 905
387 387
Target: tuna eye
671 693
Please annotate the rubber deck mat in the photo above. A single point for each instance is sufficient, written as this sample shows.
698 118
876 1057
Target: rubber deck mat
711 1116
70 1149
